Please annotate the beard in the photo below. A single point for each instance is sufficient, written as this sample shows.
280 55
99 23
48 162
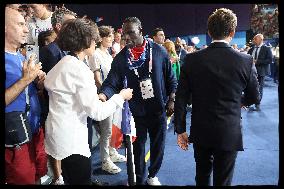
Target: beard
130 44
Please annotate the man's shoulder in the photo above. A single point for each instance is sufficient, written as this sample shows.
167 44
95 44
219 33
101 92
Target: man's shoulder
158 48
244 55
266 47
52 48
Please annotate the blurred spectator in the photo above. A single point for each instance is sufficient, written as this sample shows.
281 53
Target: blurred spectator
180 51
116 43
183 44
122 43
170 47
158 36
190 49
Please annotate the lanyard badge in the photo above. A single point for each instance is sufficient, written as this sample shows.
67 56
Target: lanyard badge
146 88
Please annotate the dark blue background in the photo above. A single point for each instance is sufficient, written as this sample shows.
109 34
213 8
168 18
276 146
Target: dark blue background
175 19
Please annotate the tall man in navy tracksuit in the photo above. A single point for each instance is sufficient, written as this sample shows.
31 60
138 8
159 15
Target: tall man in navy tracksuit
148 71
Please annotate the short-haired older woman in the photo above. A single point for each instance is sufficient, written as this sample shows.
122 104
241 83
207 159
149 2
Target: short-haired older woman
72 98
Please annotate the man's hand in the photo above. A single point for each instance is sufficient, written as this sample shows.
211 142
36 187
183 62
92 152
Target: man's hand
170 108
31 70
182 141
102 97
126 93
40 80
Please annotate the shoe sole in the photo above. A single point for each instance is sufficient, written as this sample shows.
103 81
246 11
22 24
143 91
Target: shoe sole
110 171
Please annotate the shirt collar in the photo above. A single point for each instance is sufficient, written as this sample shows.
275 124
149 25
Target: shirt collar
218 41
259 45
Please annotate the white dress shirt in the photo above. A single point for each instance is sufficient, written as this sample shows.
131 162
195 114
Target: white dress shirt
258 49
72 97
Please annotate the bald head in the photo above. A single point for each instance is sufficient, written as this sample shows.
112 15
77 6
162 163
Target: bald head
14 6
15 28
10 14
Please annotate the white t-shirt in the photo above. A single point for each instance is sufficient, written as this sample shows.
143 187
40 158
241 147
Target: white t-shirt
101 60
36 26
116 47
72 98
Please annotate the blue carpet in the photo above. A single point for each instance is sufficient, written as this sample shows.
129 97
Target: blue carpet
258 164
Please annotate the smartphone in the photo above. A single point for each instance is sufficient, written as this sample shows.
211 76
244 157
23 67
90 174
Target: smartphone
32 49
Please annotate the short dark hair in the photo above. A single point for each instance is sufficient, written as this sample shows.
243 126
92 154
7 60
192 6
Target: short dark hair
77 35
43 36
57 15
156 30
134 20
221 23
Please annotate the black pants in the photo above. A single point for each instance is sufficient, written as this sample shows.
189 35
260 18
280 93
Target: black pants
276 70
90 131
156 126
261 84
222 163
76 170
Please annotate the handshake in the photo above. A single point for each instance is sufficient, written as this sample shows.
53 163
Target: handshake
126 94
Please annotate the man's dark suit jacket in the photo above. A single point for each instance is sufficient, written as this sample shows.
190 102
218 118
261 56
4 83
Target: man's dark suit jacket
213 80
49 56
264 59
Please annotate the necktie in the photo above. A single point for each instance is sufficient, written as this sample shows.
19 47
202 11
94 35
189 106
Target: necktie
255 53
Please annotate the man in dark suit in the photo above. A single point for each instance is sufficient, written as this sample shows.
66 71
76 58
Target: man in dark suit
213 80
262 56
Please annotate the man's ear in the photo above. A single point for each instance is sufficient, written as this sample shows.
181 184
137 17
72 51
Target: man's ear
232 34
209 33
140 30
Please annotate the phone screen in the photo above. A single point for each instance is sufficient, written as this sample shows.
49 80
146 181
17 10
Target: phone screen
32 49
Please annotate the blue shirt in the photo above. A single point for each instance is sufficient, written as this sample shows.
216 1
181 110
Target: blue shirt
163 80
13 68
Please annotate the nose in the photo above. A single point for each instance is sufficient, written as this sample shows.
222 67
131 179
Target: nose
26 29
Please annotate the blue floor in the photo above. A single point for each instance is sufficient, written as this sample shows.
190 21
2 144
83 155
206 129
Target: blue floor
258 164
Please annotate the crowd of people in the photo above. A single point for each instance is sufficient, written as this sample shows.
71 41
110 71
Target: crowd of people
265 22
64 75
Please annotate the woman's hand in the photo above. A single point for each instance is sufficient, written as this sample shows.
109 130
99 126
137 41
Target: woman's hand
126 93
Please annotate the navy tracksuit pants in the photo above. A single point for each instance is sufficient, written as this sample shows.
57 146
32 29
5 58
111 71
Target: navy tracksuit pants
155 126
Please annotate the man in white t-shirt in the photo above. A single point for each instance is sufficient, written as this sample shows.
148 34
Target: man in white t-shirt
41 21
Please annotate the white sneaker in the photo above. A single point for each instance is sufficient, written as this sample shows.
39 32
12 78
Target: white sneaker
153 181
45 180
110 167
117 158
59 181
